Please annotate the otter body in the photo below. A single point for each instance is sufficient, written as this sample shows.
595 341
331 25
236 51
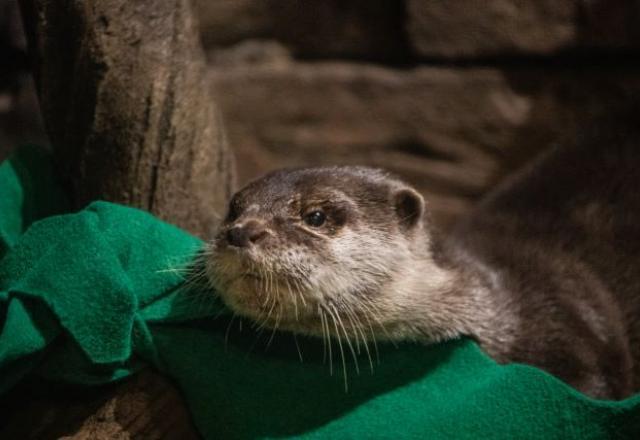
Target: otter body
561 244
546 270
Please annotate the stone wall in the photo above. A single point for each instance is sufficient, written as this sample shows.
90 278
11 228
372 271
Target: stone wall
450 94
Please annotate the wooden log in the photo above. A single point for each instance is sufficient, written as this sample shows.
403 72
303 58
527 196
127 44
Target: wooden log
127 105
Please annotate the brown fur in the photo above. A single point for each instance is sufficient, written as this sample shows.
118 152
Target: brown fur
563 238
546 271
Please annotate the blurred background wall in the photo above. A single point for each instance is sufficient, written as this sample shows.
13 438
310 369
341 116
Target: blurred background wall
450 94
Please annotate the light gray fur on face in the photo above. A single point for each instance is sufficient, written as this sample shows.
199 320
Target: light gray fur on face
369 274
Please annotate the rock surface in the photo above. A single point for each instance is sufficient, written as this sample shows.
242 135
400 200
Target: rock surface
468 28
144 407
369 29
405 30
451 132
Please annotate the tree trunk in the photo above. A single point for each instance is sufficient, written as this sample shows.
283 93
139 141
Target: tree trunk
127 106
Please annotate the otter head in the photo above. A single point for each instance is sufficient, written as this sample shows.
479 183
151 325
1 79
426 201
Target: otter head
304 249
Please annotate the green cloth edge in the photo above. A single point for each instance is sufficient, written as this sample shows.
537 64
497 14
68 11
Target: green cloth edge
91 297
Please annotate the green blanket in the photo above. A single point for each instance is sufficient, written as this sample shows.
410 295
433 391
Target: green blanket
92 297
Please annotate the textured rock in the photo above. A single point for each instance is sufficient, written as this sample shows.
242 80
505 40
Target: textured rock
225 22
369 29
439 128
452 132
463 28
469 28
146 406
125 100
251 52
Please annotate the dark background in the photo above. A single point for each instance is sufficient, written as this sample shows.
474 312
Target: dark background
449 94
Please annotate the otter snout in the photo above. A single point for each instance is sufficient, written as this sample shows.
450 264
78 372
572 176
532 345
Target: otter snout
243 235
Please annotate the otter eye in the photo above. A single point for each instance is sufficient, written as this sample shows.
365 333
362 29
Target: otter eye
315 218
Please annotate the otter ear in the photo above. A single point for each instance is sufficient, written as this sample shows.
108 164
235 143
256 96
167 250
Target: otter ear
409 206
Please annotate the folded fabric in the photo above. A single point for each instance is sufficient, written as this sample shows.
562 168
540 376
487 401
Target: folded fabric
92 297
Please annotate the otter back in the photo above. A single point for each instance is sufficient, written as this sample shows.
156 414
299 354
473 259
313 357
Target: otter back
562 240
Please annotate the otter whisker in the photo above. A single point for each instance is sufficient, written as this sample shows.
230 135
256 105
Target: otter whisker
183 263
273 284
262 274
370 307
191 271
195 291
346 337
324 341
358 326
260 320
269 281
295 340
275 327
272 298
325 331
349 315
274 301
293 298
264 283
300 288
373 339
344 362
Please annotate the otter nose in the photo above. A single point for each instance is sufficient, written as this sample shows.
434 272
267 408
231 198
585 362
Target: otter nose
242 236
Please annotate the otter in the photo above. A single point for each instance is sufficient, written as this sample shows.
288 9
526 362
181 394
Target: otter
545 271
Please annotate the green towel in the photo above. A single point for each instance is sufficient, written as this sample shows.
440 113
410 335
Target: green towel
92 297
